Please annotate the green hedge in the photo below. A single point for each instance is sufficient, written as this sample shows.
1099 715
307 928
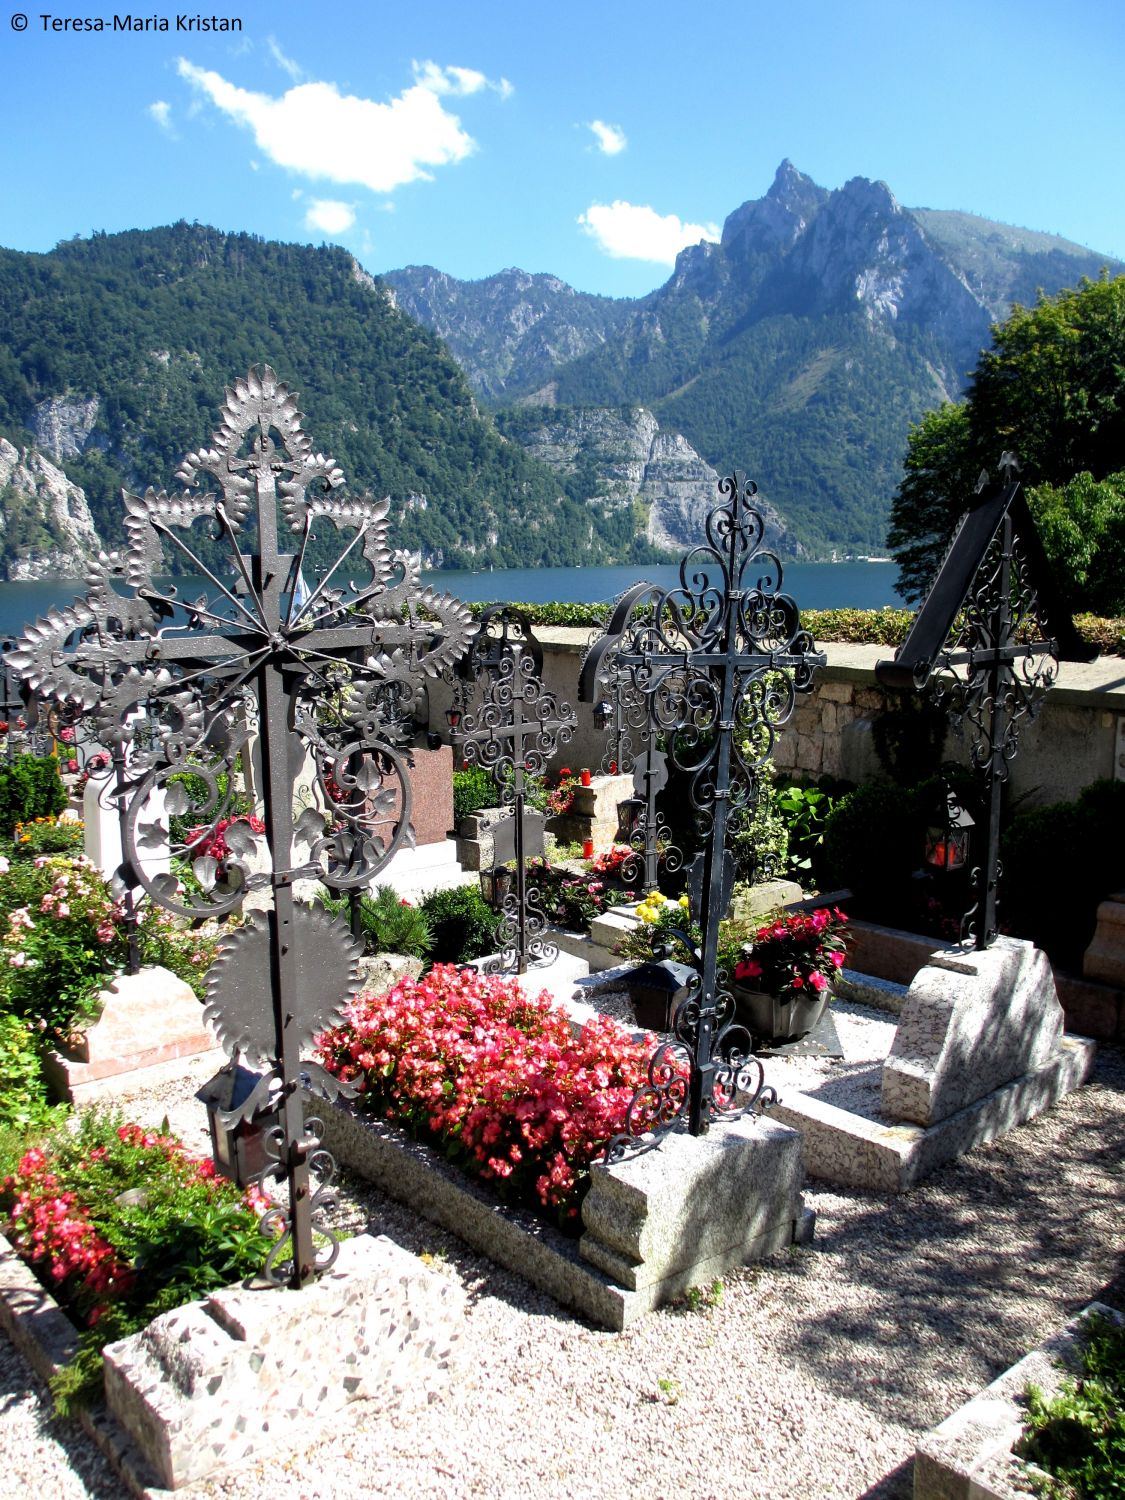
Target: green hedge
859 627
29 788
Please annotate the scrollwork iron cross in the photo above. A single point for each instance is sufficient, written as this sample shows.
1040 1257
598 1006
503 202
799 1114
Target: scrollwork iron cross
719 662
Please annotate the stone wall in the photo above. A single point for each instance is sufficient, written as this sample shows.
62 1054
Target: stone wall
1079 736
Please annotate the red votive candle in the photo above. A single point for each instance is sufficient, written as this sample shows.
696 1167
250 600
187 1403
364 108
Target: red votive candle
585 778
588 849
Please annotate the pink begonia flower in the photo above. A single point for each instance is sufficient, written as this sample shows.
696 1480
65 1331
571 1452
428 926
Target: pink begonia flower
17 960
5 865
817 980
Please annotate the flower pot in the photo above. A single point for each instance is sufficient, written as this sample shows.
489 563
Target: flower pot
771 1020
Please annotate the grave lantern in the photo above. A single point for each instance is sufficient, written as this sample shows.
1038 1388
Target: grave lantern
238 1144
495 886
949 836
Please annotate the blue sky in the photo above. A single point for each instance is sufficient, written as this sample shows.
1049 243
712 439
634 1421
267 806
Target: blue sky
587 139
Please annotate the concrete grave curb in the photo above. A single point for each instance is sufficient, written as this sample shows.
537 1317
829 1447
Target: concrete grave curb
969 1455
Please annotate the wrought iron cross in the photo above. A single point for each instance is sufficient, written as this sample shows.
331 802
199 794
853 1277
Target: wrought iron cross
517 726
719 662
326 670
632 745
981 644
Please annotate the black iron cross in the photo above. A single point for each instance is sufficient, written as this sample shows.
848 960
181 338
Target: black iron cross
517 726
980 644
329 670
719 663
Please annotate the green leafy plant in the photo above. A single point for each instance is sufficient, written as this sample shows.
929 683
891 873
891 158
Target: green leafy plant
759 839
1078 1436
390 923
122 1224
462 924
30 788
473 788
24 1101
66 937
804 810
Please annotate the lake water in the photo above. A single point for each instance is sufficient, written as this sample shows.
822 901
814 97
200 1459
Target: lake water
856 585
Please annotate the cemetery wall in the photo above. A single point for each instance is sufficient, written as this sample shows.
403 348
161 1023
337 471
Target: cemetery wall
1079 736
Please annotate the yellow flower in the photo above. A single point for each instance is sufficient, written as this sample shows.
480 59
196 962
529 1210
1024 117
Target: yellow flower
646 913
684 902
656 898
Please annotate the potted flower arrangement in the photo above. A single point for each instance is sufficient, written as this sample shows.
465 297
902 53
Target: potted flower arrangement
782 978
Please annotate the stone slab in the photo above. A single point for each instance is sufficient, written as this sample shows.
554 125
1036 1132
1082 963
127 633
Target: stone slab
971 1021
842 1147
969 1455
222 1382
147 1019
698 1205
1104 959
413 1173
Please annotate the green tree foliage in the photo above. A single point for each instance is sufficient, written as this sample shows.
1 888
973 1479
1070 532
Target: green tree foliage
1052 390
1082 524
156 324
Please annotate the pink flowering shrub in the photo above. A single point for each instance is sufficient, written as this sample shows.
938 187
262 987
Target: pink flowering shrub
120 1224
63 937
495 1077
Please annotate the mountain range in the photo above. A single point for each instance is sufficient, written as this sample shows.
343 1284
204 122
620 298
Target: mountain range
799 347
516 420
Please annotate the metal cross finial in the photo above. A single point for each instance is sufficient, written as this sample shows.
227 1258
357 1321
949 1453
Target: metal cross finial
327 673
719 661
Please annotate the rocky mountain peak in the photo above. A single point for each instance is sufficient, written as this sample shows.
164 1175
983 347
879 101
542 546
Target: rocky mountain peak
781 217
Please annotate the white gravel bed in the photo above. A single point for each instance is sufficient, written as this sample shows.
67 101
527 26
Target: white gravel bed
812 1377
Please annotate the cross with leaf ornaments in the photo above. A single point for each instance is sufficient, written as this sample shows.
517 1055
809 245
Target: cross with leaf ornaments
329 670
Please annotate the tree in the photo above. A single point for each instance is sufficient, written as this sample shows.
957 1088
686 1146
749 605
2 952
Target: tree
1051 389
1082 525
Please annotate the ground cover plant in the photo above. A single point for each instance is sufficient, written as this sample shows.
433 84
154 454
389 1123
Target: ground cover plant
121 1224
494 1078
1078 1436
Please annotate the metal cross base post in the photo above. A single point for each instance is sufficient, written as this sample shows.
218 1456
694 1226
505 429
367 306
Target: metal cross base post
328 669
719 661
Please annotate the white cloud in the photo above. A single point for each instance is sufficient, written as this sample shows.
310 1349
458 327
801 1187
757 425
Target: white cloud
315 130
611 138
329 215
286 64
161 112
439 80
632 231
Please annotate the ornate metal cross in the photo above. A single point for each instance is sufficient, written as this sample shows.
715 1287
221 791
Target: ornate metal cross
986 642
327 671
719 662
517 726
632 745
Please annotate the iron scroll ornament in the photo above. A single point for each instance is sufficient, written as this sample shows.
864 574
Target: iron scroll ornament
326 671
719 660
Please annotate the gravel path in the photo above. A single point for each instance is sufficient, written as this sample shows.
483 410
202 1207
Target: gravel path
813 1376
